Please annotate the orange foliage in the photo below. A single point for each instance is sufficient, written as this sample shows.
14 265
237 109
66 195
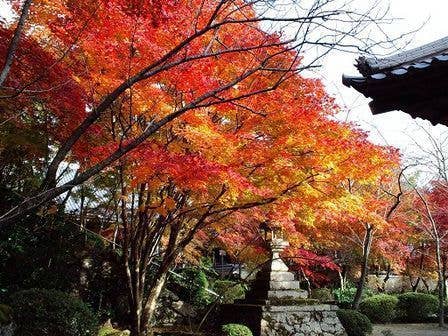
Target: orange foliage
280 144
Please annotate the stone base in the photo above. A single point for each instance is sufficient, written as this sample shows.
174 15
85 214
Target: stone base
301 320
310 320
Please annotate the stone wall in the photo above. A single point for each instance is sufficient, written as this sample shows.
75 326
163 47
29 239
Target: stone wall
398 283
309 320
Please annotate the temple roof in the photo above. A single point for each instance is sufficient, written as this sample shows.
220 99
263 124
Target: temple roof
413 81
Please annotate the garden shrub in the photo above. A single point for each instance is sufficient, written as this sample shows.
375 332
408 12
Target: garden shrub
354 322
229 290
322 294
416 307
46 312
344 297
379 308
110 331
236 330
195 282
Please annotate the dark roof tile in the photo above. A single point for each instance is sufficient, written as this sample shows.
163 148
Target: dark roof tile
426 52
414 81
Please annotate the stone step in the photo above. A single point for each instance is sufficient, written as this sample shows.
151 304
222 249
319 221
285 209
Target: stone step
287 294
282 276
274 285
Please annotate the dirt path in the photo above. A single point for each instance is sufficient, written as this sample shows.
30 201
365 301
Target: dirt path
427 329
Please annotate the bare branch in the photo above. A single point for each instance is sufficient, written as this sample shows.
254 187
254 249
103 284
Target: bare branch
15 41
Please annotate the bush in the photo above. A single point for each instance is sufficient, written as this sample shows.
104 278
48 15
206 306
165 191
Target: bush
354 322
110 331
379 308
416 307
229 290
46 312
344 297
322 294
192 286
236 330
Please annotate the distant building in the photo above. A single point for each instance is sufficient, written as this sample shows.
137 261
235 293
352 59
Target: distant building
414 81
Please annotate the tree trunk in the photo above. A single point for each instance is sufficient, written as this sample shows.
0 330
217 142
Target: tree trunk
444 274
151 304
365 265
420 267
308 284
440 284
386 278
415 285
135 299
136 316
343 277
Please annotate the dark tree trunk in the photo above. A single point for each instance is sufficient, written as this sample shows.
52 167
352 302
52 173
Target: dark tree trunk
415 285
386 278
444 274
440 285
420 266
365 265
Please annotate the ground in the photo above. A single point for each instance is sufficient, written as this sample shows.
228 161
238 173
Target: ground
409 330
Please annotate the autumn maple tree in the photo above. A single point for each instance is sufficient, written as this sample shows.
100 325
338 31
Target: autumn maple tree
160 59
332 214
430 221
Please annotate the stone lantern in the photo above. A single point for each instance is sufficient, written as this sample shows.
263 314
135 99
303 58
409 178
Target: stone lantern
275 305
274 281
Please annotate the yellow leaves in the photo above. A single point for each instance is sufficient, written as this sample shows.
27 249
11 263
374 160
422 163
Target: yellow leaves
165 108
205 137
176 147
77 79
306 216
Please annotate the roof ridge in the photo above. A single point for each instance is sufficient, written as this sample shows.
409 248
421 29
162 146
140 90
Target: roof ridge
370 65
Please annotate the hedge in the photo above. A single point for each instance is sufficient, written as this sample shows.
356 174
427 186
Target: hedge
354 322
46 312
416 307
379 308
